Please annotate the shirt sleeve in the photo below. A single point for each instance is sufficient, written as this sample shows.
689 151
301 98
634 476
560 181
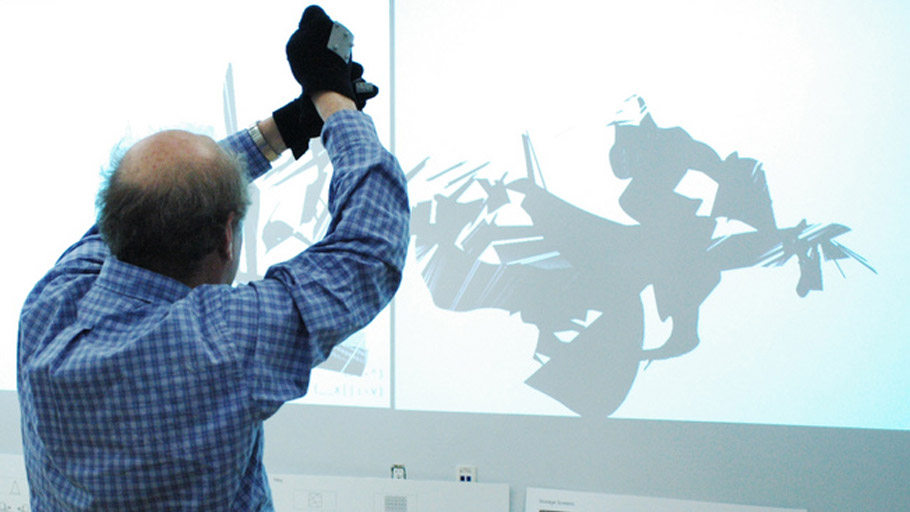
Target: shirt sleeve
353 272
241 144
306 305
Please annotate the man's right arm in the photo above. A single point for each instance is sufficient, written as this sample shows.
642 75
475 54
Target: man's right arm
288 322
305 306
340 283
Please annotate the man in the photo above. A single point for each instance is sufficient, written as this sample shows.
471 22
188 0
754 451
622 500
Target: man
143 376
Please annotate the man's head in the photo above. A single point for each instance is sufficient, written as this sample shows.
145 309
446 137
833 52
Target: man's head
173 205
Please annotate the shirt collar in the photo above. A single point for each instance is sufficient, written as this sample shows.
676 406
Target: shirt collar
140 283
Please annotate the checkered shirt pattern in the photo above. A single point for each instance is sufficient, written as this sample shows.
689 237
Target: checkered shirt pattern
140 393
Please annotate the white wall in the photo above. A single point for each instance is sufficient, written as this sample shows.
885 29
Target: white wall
822 470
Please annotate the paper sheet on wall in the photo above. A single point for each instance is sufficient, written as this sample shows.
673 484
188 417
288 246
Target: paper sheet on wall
553 500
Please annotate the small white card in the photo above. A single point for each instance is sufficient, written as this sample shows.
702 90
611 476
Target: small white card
13 483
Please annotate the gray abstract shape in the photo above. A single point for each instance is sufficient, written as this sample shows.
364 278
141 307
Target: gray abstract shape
349 358
277 231
569 262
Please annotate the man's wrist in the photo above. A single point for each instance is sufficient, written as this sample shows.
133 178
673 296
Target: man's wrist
329 102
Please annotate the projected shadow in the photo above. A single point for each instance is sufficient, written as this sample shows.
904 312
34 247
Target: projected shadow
578 278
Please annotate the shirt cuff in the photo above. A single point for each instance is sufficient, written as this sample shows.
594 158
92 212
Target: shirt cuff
242 145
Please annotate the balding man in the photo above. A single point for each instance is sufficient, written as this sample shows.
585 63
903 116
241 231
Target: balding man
143 376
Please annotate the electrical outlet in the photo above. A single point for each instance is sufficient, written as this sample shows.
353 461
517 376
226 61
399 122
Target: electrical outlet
398 472
466 473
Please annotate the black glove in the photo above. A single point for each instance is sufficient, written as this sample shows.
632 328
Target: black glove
298 121
320 54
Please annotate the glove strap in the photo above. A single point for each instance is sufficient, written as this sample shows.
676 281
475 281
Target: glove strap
340 42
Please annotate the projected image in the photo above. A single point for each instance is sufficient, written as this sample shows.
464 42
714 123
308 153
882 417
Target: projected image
647 210
721 247
578 278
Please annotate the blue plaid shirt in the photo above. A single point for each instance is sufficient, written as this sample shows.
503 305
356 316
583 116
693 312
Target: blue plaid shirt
140 393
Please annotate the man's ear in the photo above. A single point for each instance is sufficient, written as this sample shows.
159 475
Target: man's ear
227 246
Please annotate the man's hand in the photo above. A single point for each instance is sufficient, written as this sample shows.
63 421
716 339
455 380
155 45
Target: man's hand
299 121
320 54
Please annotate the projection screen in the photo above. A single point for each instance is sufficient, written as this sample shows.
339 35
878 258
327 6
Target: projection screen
652 210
